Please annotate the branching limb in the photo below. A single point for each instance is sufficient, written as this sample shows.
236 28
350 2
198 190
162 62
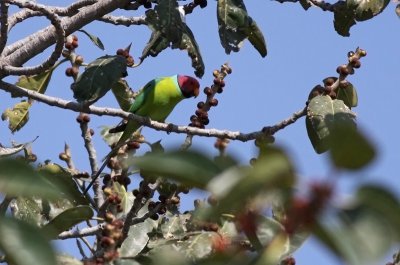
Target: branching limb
4 25
124 21
29 47
60 35
159 126
87 231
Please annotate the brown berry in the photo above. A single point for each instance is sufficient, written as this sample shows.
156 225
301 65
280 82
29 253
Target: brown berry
75 44
133 145
344 84
121 52
208 91
69 71
213 102
200 105
162 210
213 227
356 64
74 37
205 121
217 81
91 131
193 118
362 52
130 61
68 46
151 205
220 90
154 217
107 242
85 118
329 81
109 217
343 70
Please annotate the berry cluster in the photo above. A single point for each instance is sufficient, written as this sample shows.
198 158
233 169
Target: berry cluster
201 118
111 235
302 212
71 43
191 6
332 84
125 53
113 199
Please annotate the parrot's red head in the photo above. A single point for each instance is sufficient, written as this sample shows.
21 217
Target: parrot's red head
189 86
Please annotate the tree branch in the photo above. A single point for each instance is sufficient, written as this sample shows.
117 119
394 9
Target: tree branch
125 21
49 62
87 138
87 231
4 25
159 126
23 50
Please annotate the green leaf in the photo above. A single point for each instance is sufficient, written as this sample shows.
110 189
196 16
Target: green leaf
190 168
367 9
18 116
29 210
323 115
38 83
385 203
271 172
96 41
348 94
350 149
347 13
168 29
197 246
137 238
126 197
63 178
98 78
123 94
343 19
109 138
22 244
235 25
19 179
189 43
66 220
174 226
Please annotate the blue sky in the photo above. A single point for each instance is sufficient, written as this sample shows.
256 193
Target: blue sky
303 49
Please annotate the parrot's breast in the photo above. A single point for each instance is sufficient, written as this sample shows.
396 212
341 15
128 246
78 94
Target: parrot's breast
162 99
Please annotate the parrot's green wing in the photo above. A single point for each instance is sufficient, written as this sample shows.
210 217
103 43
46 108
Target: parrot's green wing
142 96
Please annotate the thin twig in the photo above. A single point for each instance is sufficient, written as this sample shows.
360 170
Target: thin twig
98 192
167 127
80 247
4 205
87 244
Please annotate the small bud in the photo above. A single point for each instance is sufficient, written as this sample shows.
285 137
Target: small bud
74 37
78 60
362 52
215 73
75 44
63 157
91 131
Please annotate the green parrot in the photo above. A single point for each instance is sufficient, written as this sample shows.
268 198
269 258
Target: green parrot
156 100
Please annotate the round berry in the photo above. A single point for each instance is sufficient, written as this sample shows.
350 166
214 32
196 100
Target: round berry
69 71
213 102
200 105
208 91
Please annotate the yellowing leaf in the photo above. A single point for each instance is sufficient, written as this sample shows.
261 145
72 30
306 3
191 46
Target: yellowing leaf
18 116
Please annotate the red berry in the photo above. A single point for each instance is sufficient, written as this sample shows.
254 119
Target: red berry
213 102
